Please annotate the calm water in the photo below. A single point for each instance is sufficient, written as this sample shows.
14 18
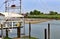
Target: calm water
38 30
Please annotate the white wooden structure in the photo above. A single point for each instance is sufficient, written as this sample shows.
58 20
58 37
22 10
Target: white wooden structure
9 20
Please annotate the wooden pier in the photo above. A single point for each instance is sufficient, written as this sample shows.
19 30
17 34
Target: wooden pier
6 26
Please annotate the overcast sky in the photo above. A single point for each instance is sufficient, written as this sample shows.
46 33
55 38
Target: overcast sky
42 5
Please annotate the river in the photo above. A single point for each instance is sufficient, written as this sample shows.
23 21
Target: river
38 29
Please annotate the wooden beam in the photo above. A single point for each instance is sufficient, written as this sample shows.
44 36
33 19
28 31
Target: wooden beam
29 29
48 30
45 33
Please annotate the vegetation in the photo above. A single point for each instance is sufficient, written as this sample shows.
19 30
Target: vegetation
53 13
39 14
29 38
7 38
35 12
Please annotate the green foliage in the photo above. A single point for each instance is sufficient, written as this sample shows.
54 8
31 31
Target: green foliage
38 14
27 13
29 38
7 38
53 13
35 12
45 16
31 13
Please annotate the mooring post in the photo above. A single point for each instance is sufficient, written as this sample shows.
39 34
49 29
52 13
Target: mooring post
6 32
6 28
48 30
2 30
45 33
19 30
29 29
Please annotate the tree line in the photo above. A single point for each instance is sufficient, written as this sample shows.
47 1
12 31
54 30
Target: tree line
36 12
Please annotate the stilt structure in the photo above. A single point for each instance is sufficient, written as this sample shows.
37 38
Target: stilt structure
19 30
6 32
1 30
8 7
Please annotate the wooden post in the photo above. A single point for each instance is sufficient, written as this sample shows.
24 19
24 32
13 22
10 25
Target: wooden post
6 29
29 29
45 32
2 30
48 30
6 32
19 30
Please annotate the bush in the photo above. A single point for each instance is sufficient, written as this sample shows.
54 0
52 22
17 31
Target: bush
30 37
7 38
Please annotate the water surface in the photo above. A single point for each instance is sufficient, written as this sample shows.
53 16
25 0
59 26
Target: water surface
38 30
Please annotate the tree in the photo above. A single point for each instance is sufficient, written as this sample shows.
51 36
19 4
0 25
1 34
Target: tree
27 14
56 12
35 12
31 13
53 13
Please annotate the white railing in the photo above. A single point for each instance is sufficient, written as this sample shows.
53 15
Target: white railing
10 24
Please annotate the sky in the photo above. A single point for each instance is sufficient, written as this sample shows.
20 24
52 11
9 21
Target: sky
41 5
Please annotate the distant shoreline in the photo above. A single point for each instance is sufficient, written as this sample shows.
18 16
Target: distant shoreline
35 20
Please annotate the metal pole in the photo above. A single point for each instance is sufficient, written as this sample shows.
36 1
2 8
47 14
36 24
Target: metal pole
6 5
24 26
20 6
48 30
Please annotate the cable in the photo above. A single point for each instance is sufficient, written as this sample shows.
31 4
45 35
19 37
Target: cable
2 5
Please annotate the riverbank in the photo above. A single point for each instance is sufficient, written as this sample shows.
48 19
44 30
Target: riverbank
26 37
46 16
35 20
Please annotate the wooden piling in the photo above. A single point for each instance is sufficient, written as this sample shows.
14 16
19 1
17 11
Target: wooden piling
6 32
6 29
48 30
45 33
29 29
19 30
2 30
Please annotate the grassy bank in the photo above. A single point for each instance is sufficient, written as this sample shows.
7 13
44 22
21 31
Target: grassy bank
44 16
26 37
7 38
30 37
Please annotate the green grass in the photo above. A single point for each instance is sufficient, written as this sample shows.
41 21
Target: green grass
22 37
7 38
44 16
30 37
